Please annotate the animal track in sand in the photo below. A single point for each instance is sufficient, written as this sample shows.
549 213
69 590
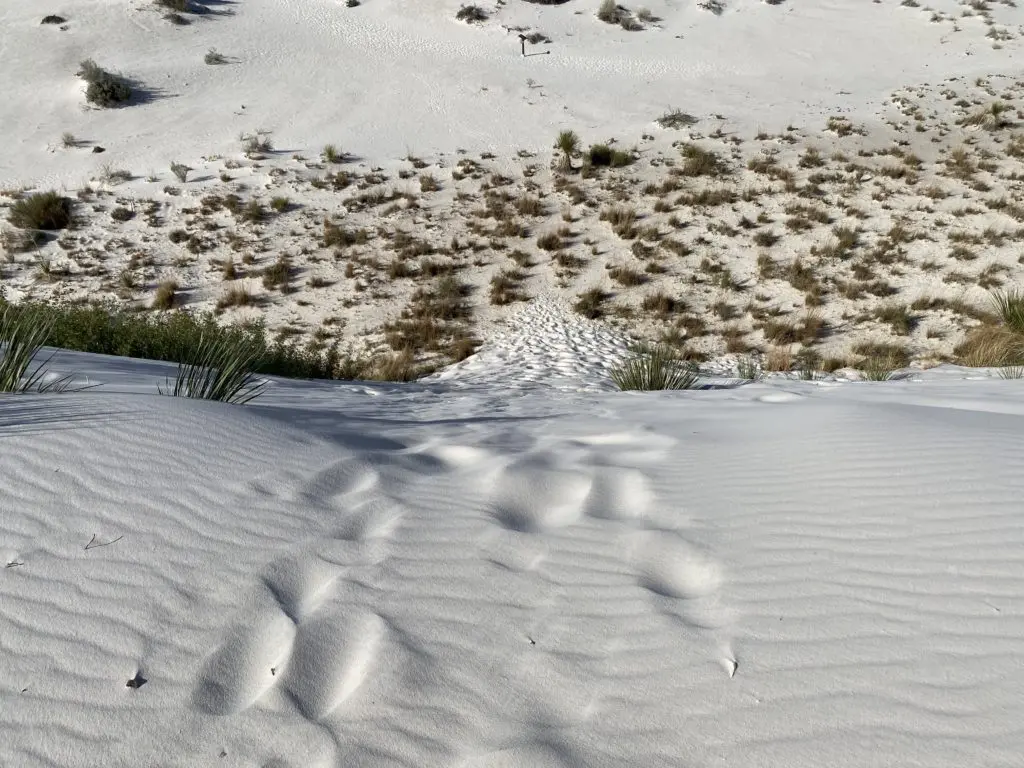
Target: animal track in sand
537 493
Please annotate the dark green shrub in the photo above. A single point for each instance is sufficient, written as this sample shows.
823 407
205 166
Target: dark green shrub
104 89
112 329
43 210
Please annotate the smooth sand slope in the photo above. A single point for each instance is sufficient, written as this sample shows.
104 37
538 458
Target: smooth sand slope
508 571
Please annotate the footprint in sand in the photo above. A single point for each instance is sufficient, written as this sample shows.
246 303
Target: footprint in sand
333 655
537 493
319 656
670 567
242 668
533 755
300 583
343 478
618 494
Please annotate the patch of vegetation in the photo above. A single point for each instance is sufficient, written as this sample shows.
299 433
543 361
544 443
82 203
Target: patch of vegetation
43 210
166 295
655 368
676 119
471 14
219 368
111 329
212 57
590 303
103 88
22 336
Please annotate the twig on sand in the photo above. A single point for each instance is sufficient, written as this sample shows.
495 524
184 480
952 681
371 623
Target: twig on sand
93 545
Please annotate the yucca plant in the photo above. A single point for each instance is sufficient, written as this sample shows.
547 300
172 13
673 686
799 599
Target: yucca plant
1009 305
653 368
22 336
878 370
1012 372
568 143
748 369
219 369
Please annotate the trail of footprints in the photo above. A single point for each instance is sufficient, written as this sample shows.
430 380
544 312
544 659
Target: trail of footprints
317 651
596 478
292 636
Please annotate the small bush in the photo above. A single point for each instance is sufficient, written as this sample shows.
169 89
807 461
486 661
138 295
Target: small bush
278 275
213 57
627 276
898 316
568 143
181 171
676 119
550 241
471 14
166 294
590 303
104 89
257 144
609 12
43 210
235 296
701 162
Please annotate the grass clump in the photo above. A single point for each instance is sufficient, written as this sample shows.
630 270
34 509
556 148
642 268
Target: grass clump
43 210
654 368
104 89
166 295
590 303
999 340
1009 306
603 155
609 12
219 368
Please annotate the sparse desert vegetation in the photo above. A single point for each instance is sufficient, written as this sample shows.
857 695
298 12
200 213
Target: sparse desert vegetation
814 246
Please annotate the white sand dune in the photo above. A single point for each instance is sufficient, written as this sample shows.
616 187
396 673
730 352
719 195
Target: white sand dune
392 77
509 572
508 563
